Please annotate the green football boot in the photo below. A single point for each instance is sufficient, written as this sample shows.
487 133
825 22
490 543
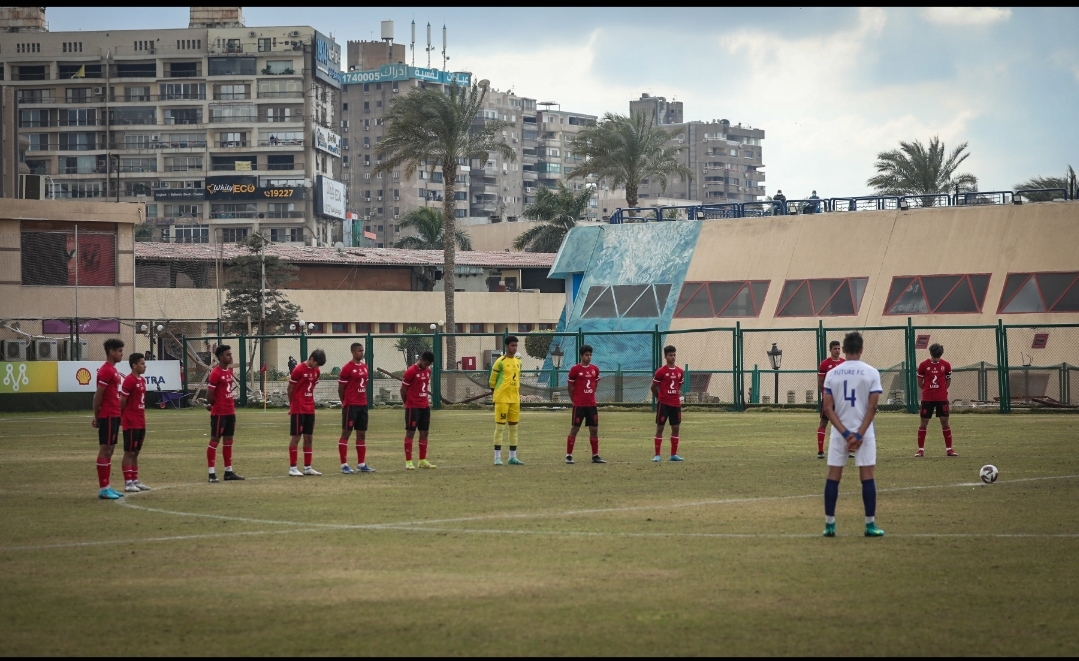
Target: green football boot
871 530
829 530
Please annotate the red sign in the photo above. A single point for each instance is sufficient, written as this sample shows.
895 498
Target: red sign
1040 340
922 342
468 362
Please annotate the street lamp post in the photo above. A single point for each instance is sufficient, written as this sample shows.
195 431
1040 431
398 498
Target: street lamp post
775 356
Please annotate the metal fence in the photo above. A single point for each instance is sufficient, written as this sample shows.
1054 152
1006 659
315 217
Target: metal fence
999 367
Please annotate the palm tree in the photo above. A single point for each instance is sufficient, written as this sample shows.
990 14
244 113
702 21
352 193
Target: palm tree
429 228
915 169
559 210
1067 182
429 128
624 150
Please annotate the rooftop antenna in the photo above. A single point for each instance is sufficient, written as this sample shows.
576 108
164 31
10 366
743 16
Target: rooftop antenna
429 47
412 46
445 58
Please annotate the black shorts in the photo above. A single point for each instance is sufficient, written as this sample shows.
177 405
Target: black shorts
418 419
133 439
941 408
302 424
108 430
666 413
222 426
585 415
353 417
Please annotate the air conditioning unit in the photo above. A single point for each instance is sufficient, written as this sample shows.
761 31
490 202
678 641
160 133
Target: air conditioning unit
251 33
45 349
99 91
396 215
14 350
294 33
72 350
155 138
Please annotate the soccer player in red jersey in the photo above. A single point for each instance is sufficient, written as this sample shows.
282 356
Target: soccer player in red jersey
107 416
221 403
352 390
415 393
822 371
133 420
301 408
934 375
667 386
583 378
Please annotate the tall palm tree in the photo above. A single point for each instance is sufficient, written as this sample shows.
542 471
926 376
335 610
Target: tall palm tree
428 128
1067 182
559 210
427 223
624 150
915 169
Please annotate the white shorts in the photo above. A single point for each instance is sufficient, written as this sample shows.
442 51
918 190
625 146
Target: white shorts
865 456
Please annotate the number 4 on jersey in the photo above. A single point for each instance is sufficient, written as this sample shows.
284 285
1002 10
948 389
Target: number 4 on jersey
851 397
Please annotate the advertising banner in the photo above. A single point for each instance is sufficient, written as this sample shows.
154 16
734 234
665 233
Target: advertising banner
391 72
64 326
247 188
179 194
80 375
327 56
327 141
330 200
32 376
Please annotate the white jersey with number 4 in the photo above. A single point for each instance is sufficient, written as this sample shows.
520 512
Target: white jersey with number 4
850 385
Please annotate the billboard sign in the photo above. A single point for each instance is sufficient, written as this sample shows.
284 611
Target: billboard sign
80 375
35 376
391 72
327 141
179 194
247 188
330 198
327 56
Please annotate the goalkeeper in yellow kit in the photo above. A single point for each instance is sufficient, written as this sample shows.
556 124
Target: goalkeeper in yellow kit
506 384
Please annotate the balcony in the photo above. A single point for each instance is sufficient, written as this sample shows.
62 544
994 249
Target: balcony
279 167
232 96
233 215
147 146
231 143
276 142
280 95
31 100
147 98
85 98
285 214
238 119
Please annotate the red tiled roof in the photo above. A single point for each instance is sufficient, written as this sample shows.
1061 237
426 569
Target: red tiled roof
345 257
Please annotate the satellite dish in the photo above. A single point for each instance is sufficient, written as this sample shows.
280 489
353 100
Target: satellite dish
339 245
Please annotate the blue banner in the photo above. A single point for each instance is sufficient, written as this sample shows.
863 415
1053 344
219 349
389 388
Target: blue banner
391 72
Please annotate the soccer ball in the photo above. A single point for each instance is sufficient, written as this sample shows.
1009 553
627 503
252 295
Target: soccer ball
989 473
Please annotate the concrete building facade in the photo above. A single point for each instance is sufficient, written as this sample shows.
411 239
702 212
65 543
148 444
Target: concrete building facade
219 128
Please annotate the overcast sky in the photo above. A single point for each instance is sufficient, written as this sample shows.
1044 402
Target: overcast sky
830 87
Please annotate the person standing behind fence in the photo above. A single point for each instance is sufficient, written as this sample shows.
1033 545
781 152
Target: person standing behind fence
107 416
934 376
221 403
822 371
301 408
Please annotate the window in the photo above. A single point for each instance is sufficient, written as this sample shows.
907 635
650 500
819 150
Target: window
234 235
937 294
387 328
191 234
525 328
280 89
1040 292
183 115
741 298
38 141
363 327
183 210
241 112
630 301
229 211
475 328
286 234
183 163
46 256
821 298
134 115
231 66
231 92
264 45
277 67
78 141
337 327
319 327
172 91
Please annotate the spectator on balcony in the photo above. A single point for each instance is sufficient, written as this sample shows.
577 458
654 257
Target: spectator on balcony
273 141
779 196
814 206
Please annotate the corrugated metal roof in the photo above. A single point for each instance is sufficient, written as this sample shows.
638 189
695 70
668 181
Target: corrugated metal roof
344 257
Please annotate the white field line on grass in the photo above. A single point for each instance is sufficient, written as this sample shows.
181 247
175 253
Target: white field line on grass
427 525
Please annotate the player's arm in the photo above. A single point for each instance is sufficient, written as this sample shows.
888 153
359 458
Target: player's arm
342 384
124 392
655 386
828 409
921 377
211 390
871 412
820 379
405 383
493 379
99 395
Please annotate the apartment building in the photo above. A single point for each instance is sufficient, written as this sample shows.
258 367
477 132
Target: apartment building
219 128
726 160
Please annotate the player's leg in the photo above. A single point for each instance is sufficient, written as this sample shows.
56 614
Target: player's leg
106 439
866 461
128 462
946 428
228 430
411 421
661 422
342 442
822 428
424 427
295 432
308 444
360 426
514 420
211 447
140 439
831 489
501 412
571 438
925 413
676 423
593 436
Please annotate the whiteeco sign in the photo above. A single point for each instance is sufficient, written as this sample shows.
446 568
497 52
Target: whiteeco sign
331 198
327 141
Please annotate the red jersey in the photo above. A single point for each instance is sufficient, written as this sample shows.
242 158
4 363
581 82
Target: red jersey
303 382
418 383
935 379
221 382
134 414
109 379
584 378
827 364
354 378
669 381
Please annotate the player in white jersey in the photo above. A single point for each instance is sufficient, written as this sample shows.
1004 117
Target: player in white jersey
851 392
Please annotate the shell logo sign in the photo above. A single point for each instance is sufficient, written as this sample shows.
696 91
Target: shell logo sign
83 376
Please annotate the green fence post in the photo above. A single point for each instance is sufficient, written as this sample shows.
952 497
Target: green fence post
243 370
303 345
910 369
436 373
685 380
821 353
736 369
755 386
183 360
619 391
1006 391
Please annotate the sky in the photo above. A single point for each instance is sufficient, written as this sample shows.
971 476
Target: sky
830 87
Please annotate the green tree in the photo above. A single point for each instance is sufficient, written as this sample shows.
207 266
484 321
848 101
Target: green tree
413 345
245 294
559 210
430 128
1067 182
538 344
428 224
917 169
623 150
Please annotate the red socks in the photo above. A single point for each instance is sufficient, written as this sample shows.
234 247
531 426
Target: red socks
921 438
570 440
594 442
674 445
361 451
408 449
104 470
659 444
226 452
129 473
947 438
211 454
820 439
292 452
342 449
423 449
307 453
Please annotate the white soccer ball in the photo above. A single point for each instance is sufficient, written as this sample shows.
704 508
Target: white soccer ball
989 473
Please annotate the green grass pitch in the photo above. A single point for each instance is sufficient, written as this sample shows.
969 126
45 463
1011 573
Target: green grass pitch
718 555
